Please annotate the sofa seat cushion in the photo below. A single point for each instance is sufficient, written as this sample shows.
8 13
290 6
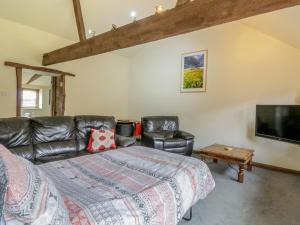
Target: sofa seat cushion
53 135
174 143
24 151
54 148
47 159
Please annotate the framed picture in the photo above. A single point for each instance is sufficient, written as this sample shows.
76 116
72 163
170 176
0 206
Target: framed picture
194 72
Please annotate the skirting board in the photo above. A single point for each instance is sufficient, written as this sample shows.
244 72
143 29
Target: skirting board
276 168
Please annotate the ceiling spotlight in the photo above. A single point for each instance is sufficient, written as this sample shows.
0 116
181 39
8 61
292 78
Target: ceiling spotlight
159 9
92 32
133 15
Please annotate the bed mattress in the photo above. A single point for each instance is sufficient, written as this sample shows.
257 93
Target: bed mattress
130 186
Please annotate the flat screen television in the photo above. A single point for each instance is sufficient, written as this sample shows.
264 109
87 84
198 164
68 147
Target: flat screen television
279 122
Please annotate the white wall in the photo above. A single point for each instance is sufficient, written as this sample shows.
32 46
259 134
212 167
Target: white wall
100 86
245 68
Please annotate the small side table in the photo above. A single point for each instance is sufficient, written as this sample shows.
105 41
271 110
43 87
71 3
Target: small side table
241 156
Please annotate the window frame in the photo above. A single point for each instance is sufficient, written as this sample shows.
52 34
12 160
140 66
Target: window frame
37 103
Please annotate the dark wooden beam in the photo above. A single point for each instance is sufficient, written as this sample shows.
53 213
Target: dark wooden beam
182 2
195 15
37 68
34 78
19 91
79 20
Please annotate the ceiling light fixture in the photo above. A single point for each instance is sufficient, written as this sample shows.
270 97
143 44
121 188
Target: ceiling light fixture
133 15
91 32
159 9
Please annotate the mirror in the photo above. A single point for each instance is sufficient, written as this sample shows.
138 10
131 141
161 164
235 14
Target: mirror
36 93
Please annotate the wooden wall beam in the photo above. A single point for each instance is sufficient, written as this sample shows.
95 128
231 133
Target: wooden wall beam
37 68
79 20
195 15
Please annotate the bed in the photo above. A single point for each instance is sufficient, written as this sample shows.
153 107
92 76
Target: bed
130 186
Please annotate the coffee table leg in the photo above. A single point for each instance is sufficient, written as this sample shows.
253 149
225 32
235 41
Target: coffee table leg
241 173
250 165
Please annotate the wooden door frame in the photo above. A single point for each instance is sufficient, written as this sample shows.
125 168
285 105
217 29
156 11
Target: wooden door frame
58 75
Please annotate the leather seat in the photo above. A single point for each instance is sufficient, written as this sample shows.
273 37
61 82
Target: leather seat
162 132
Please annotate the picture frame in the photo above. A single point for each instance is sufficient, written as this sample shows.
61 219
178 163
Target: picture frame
194 72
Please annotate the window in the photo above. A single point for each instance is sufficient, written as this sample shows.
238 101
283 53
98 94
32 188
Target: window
30 98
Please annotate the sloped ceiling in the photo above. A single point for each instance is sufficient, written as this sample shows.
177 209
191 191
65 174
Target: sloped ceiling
53 16
283 25
57 17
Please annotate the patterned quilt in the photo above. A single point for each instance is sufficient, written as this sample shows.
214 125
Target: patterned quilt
130 186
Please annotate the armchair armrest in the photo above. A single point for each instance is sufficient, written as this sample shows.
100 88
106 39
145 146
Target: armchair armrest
154 136
184 135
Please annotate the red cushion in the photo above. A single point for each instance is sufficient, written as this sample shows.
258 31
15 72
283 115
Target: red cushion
101 140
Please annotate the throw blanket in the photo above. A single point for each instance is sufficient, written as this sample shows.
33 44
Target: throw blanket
130 186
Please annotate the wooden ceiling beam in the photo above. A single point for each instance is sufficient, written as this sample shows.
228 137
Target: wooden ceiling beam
194 15
34 78
37 68
79 20
182 2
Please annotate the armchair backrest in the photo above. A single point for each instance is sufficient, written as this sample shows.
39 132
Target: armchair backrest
160 123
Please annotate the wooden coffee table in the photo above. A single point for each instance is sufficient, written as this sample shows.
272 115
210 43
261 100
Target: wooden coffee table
241 156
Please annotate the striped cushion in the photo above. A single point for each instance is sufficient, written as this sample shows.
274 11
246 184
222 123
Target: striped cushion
30 196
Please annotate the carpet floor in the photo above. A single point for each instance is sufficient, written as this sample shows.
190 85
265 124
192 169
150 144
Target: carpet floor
265 198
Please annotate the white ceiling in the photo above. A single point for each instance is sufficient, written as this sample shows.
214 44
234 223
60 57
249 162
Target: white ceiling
283 25
57 17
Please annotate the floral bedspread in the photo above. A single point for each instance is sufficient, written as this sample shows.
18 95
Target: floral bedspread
130 186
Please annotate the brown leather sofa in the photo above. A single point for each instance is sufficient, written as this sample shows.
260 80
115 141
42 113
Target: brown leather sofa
46 139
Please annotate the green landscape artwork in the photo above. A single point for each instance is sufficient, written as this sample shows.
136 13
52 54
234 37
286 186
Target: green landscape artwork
194 72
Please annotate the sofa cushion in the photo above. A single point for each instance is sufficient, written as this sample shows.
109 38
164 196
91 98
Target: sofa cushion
46 159
84 124
30 195
53 135
124 142
101 140
15 134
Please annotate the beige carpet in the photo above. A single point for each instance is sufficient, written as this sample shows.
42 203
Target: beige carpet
266 198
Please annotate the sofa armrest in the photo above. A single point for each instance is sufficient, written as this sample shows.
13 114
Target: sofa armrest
184 135
125 141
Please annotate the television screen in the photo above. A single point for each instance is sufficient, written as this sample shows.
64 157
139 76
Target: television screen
280 122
